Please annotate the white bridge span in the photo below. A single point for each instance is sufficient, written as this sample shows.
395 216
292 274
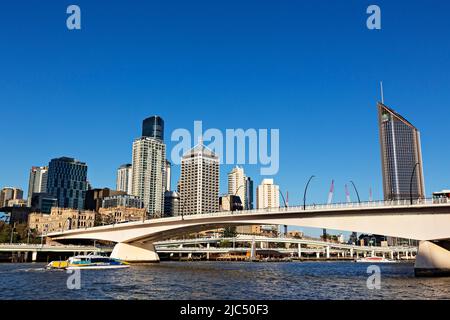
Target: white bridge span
423 220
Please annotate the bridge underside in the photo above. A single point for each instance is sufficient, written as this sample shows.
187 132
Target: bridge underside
433 259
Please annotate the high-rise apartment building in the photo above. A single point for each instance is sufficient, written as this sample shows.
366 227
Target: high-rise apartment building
401 156
124 179
267 195
171 204
149 165
7 194
67 182
199 181
237 184
37 182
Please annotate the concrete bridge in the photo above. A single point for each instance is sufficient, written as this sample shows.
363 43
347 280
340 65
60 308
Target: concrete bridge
23 250
294 247
423 220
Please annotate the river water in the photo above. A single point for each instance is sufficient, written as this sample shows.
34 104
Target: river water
219 280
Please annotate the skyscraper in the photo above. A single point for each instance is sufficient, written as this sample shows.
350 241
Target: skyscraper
7 194
168 175
67 182
153 127
249 193
267 195
37 182
124 179
199 181
237 185
149 165
401 156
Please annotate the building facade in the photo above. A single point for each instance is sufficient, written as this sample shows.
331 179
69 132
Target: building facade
168 176
171 204
61 219
43 202
401 156
199 181
237 185
249 193
124 200
149 157
267 195
124 179
94 197
120 214
7 194
67 182
37 181
153 127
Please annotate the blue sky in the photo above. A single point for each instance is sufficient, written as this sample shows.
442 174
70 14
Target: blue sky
309 68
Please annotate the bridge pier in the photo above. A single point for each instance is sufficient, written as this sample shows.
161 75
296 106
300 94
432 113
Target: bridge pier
433 259
135 252
34 256
299 250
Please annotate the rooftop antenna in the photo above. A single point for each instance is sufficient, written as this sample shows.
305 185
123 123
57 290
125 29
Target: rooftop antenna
382 92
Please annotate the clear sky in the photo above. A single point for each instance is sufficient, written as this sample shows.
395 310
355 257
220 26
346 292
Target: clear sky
308 68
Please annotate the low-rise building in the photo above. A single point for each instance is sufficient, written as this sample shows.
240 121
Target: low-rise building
122 200
61 219
120 214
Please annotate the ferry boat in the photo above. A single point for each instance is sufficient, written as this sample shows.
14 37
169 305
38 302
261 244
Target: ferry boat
84 262
375 260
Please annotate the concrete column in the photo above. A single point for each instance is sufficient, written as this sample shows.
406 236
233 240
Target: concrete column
384 255
34 256
351 252
373 253
207 253
392 255
357 255
407 254
328 252
299 250
318 254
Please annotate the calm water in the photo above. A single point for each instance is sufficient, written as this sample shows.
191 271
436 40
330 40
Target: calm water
216 280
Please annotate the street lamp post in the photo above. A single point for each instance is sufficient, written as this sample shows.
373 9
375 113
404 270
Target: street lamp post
410 184
356 190
306 189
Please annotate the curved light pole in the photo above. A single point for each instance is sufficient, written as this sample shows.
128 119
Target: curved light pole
410 184
356 190
306 189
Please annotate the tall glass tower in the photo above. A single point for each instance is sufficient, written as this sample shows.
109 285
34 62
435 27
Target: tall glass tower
153 127
67 182
401 156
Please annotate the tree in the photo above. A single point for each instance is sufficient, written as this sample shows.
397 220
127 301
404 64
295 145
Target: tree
229 232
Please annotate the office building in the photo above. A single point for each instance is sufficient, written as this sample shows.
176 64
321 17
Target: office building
153 127
149 166
9 193
171 204
43 202
124 179
94 198
67 182
249 194
122 200
37 181
199 181
401 156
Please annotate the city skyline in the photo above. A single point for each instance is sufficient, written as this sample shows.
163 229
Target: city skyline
313 76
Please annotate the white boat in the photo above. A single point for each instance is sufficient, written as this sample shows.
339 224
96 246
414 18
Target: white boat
375 260
84 262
